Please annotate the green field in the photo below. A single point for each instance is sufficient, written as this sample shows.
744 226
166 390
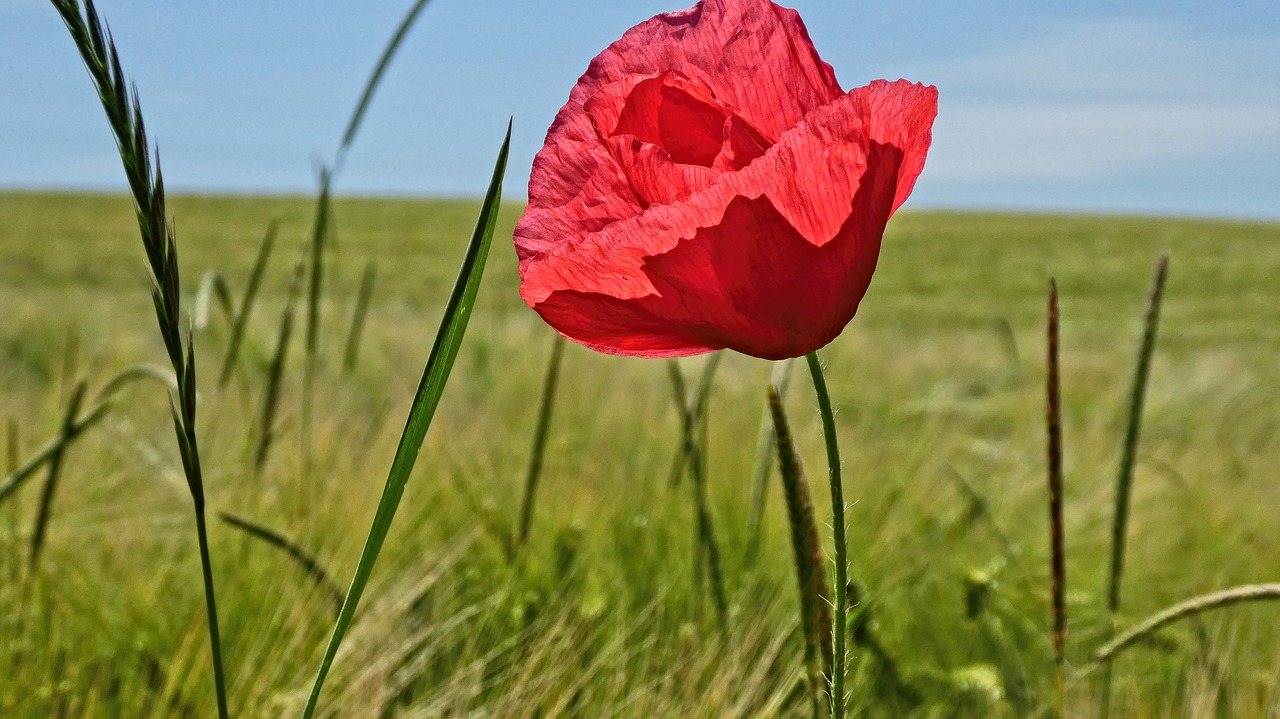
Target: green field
939 385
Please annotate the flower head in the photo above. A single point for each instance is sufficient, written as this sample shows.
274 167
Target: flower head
709 185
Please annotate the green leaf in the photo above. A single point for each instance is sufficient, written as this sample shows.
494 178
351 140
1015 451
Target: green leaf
448 339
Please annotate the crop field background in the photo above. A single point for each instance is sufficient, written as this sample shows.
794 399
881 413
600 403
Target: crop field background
939 385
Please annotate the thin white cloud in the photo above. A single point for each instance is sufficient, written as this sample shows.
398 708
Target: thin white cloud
1093 100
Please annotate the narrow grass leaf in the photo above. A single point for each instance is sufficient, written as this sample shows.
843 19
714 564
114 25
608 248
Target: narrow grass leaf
1181 610
213 287
353 125
1133 428
779 379
21 473
443 352
300 556
275 372
540 434
358 316
1129 454
44 509
706 536
241 322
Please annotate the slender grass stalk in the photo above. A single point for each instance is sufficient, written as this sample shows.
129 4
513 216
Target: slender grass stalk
213 286
134 374
539 443
811 574
12 446
358 315
453 326
315 283
45 509
700 415
841 622
320 227
124 114
241 321
780 378
304 559
275 373
705 527
1181 610
22 472
1129 454
1057 546
353 125
70 363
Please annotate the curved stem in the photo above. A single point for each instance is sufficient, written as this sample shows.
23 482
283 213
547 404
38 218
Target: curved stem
837 523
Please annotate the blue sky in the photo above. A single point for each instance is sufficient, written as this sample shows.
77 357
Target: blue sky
1166 107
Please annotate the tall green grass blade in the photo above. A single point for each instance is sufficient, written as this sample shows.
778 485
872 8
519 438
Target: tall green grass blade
213 287
443 352
275 372
1129 454
315 290
70 363
22 472
841 622
1133 428
540 435
300 556
1181 610
241 321
811 574
706 535
12 446
45 508
134 374
699 414
358 315
366 97
780 378
1057 545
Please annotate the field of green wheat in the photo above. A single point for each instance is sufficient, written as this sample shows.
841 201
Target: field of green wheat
607 608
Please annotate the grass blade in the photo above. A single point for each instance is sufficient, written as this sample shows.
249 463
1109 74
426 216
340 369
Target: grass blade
45 508
699 416
11 446
1057 546
214 287
241 320
780 377
275 373
366 97
1181 610
21 473
693 460
1128 456
811 575
304 559
449 338
539 443
352 355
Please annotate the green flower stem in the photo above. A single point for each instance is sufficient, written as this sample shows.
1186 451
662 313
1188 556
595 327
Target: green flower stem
841 548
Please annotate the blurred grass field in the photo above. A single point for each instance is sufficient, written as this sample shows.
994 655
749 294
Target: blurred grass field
939 384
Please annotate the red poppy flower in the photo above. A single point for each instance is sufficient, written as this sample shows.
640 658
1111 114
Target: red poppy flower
709 185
